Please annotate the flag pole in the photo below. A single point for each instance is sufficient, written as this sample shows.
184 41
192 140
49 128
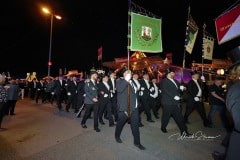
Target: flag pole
128 52
204 29
185 43
101 62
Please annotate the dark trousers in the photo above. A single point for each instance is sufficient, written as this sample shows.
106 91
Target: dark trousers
175 112
2 111
32 93
106 105
145 103
71 101
191 106
89 108
134 123
39 94
59 98
233 150
154 106
114 107
10 107
80 101
221 109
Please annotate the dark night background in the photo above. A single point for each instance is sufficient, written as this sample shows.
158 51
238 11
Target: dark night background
86 25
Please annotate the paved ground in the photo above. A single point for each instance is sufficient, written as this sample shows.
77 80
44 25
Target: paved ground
41 132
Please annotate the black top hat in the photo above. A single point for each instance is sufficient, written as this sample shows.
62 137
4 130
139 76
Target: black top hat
168 70
194 72
135 72
124 69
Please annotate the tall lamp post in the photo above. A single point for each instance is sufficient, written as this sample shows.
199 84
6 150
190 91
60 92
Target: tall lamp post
45 10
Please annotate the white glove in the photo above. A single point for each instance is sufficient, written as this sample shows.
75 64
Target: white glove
152 95
177 98
203 78
151 89
69 94
105 95
196 99
182 88
128 77
52 93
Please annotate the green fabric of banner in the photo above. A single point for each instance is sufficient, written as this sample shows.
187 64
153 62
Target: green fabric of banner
192 33
146 34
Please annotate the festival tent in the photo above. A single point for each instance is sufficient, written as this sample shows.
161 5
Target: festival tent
138 61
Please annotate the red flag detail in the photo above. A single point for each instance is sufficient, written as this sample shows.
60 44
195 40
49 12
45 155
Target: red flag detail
100 53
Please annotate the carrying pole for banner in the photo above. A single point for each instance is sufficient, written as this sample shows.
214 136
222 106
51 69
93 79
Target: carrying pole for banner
204 29
128 52
185 44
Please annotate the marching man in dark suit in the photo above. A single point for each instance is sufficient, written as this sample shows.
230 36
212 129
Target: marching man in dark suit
145 91
105 101
127 99
72 93
171 102
194 99
112 84
91 100
59 91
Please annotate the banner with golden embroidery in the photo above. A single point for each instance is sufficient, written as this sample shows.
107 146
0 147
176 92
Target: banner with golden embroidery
145 34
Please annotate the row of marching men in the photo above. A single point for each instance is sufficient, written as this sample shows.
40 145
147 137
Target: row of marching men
99 94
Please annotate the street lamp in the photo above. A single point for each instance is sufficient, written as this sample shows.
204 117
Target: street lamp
45 10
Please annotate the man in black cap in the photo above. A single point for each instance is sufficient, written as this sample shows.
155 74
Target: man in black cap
171 102
194 99
91 100
217 101
128 100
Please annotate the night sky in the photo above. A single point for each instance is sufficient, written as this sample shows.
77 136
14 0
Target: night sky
86 25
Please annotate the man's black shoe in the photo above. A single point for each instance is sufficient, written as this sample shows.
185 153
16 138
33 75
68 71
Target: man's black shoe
164 130
118 140
84 126
157 117
186 134
141 125
97 129
111 125
140 146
